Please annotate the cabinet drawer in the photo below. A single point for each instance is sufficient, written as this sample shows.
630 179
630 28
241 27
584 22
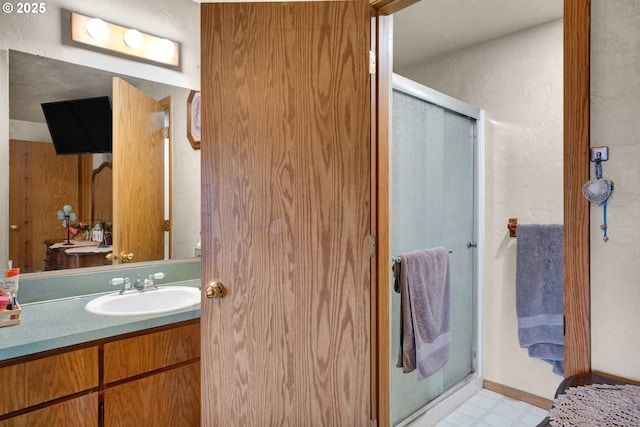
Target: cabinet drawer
167 399
79 412
146 353
37 381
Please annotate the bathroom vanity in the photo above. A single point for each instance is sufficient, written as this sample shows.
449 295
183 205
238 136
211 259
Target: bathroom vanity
64 366
146 378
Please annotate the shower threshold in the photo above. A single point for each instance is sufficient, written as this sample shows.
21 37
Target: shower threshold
439 408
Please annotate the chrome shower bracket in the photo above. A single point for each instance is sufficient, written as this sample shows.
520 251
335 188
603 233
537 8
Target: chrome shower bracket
599 154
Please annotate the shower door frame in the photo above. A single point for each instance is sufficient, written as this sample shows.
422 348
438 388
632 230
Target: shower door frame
576 211
473 381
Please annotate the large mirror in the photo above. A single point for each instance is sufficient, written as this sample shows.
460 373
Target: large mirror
43 182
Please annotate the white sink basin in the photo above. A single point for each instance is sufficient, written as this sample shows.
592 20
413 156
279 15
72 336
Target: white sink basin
134 303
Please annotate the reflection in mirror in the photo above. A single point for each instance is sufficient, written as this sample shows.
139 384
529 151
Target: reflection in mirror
101 193
41 182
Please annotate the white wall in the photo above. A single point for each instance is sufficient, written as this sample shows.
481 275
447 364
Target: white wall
518 81
179 20
615 106
41 34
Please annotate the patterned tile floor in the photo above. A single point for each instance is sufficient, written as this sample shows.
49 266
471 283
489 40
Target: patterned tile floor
489 409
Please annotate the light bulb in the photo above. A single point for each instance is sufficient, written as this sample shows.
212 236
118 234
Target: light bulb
98 29
164 49
134 39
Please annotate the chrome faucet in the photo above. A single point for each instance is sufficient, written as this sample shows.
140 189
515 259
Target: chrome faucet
140 284
148 283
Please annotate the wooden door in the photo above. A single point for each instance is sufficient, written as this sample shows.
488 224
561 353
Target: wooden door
286 214
40 183
138 173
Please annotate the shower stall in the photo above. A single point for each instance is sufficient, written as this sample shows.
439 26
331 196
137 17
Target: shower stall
436 173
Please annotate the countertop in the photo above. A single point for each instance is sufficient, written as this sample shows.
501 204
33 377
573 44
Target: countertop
64 322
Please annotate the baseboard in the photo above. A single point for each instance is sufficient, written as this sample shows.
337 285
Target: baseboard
516 394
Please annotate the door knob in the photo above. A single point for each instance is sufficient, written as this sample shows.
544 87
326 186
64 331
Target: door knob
215 289
111 257
14 227
124 257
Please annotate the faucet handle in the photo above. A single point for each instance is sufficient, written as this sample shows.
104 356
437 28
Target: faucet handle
149 281
124 281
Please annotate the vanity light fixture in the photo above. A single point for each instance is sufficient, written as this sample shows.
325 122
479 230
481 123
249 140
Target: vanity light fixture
126 41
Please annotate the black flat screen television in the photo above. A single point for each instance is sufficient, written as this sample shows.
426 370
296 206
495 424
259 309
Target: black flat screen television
80 126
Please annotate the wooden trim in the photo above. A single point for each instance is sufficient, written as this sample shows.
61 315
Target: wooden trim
193 134
94 191
516 394
577 303
382 208
388 7
615 377
85 172
166 104
375 390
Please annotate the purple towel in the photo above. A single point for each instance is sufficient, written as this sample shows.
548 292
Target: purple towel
425 311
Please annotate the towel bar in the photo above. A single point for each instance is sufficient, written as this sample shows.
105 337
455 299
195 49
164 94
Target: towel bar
397 258
512 225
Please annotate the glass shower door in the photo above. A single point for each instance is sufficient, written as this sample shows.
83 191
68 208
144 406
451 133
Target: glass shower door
433 204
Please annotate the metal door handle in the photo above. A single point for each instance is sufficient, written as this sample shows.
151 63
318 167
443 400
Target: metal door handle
124 257
215 289
14 227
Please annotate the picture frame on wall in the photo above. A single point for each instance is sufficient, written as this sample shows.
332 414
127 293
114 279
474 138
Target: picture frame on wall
193 119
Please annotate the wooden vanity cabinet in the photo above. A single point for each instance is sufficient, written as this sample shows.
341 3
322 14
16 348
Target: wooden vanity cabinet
169 398
154 379
150 379
58 390
78 412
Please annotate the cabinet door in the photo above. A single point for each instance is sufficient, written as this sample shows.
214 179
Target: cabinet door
167 399
152 351
42 380
78 412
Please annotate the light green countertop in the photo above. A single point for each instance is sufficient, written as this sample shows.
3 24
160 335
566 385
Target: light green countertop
59 323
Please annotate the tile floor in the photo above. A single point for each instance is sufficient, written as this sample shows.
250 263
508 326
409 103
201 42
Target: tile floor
488 408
